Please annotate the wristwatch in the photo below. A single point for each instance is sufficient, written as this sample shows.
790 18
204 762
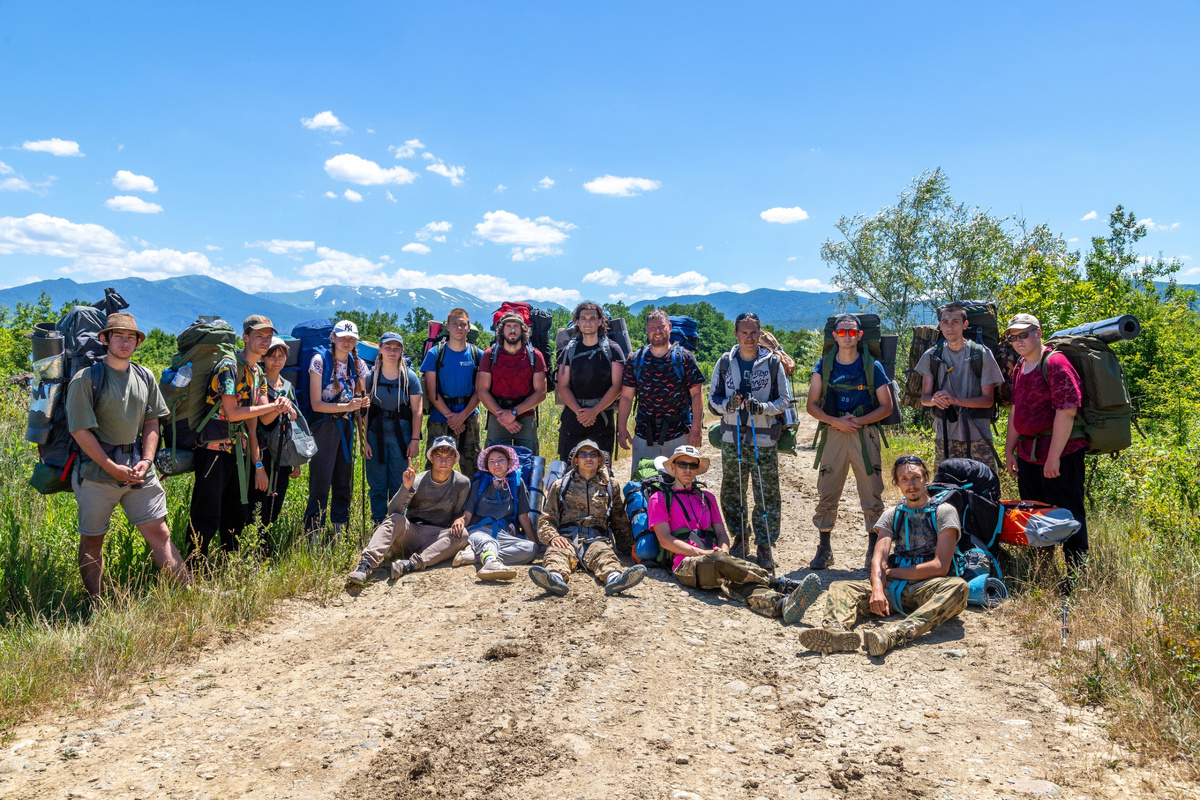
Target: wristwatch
258 465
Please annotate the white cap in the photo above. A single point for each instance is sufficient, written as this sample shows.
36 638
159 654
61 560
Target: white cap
345 328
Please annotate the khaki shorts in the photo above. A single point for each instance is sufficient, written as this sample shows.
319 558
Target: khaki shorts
97 501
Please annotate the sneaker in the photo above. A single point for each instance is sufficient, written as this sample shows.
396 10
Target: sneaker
823 559
463 558
402 567
783 585
764 559
359 576
552 582
881 640
631 577
800 598
830 640
495 570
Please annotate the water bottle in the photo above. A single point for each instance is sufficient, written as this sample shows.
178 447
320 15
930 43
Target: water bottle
183 377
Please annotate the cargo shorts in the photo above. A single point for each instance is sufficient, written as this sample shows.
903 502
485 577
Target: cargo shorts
97 500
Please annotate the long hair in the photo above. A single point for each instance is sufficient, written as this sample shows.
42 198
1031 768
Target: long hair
401 378
588 305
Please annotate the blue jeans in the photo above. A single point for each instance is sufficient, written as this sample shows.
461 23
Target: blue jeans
389 459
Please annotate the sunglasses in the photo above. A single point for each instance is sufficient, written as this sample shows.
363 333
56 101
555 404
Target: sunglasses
689 465
909 460
844 333
1022 336
587 454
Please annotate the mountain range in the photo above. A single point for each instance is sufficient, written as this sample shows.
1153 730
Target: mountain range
173 303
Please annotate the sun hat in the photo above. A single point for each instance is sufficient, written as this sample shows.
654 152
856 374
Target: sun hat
585 443
667 463
439 443
514 462
122 321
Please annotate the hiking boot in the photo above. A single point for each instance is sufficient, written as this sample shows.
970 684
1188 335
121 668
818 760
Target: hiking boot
552 582
830 640
495 570
763 558
402 567
359 576
880 640
619 582
463 558
800 598
823 559
738 548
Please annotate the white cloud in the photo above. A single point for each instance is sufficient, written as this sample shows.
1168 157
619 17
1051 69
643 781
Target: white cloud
604 277
785 216
699 247
127 202
43 235
126 181
434 230
621 187
791 258
650 284
415 247
536 239
1087 216
1154 227
331 195
390 196
546 182
282 247
1072 240
370 130
15 185
453 173
55 147
352 196
807 285
408 149
353 169
213 247
323 121
500 189
5 169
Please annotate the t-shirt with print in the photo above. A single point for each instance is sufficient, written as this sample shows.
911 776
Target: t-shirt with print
1035 401
340 388
957 377
512 375
591 372
385 394
745 369
495 501
247 384
688 512
663 400
921 541
853 373
455 378
117 416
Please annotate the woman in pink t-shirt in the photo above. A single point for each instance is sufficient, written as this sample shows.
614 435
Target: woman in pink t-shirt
690 527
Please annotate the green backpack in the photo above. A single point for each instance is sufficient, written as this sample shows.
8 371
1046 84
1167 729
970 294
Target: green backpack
184 384
1106 417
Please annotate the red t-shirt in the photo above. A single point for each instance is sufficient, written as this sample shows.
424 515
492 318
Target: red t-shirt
512 375
1035 401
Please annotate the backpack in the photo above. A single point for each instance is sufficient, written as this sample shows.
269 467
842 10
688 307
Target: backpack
481 480
982 328
184 383
539 323
685 331
1106 414
438 332
870 347
676 356
312 335
646 548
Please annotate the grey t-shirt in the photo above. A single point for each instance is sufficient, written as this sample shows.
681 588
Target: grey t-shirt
431 502
922 538
958 378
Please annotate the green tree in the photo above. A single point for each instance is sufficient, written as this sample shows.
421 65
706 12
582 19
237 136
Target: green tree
373 325
156 352
16 322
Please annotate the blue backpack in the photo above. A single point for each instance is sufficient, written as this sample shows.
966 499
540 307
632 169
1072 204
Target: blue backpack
482 480
685 331
314 337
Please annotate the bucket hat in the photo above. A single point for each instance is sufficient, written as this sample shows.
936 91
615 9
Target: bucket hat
121 321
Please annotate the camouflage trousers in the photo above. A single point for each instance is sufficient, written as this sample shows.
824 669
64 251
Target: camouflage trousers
734 577
735 506
598 558
977 449
927 603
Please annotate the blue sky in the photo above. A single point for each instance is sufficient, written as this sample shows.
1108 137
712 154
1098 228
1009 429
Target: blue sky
414 145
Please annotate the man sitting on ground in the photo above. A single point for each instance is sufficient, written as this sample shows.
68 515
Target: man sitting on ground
584 516
425 518
912 580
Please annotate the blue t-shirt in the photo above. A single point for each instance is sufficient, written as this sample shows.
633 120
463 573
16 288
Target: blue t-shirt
852 373
456 378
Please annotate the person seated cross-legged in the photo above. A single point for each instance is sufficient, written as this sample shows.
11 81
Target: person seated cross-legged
497 504
584 517
920 537
687 522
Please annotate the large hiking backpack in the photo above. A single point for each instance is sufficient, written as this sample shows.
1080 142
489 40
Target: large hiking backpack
313 335
1106 416
47 420
685 331
982 328
539 323
184 386
871 348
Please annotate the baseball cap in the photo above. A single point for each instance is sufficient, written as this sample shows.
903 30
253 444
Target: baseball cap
440 442
257 322
277 342
1020 322
345 328
390 336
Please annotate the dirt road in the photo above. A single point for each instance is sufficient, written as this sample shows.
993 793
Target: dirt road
440 686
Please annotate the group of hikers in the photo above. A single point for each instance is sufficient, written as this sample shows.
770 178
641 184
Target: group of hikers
482 514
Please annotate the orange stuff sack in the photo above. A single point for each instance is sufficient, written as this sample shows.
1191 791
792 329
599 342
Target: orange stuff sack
1016 517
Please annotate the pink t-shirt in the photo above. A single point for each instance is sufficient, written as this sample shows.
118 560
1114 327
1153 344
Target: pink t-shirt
687 511
1035 401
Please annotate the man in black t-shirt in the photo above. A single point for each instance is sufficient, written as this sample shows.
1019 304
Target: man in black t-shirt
590 368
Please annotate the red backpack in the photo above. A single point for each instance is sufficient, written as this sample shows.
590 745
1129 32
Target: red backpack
521 309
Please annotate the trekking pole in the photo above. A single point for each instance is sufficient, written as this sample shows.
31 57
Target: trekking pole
737 433
762 494
361 429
